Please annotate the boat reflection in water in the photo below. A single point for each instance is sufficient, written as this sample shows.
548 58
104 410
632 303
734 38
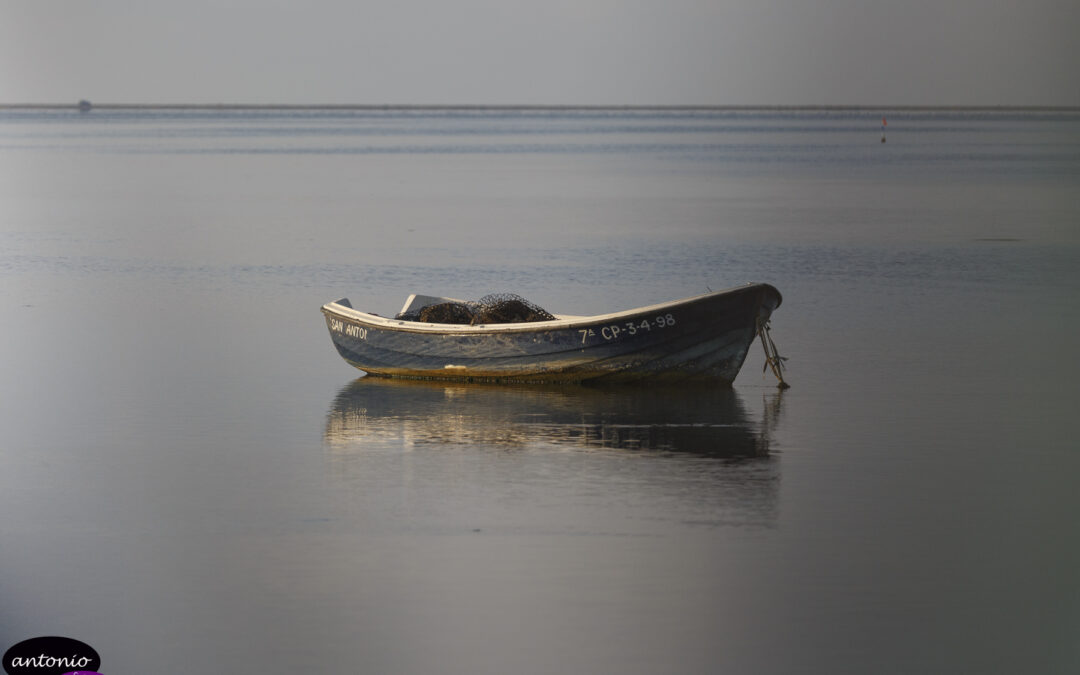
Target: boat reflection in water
451 457
704 420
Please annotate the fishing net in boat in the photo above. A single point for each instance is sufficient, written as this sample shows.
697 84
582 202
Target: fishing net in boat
509 308
492 308
445 312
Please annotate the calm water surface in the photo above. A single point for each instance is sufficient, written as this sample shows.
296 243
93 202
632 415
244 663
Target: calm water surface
191 480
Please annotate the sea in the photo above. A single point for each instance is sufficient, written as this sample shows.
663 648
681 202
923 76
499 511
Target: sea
192 480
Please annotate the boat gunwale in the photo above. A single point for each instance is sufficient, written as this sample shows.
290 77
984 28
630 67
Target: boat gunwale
567 322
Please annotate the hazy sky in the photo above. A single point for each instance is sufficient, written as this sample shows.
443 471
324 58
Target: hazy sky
728 52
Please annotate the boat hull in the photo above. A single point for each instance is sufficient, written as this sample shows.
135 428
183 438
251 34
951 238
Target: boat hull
705 337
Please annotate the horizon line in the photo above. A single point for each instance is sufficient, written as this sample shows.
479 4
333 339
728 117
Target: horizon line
532 106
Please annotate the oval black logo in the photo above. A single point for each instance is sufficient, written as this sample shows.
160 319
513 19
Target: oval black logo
50 655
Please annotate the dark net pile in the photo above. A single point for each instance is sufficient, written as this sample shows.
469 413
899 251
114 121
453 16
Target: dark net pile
493 308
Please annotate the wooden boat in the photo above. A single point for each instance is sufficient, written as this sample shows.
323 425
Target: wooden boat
705 337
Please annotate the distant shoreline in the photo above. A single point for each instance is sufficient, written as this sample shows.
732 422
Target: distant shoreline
526 107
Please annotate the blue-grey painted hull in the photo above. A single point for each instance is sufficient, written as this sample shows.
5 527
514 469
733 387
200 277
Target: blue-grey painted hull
701 338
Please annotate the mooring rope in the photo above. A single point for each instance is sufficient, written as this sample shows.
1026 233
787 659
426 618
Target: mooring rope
772 355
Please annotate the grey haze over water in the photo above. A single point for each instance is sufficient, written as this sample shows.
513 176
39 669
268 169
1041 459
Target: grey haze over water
636 52
191 478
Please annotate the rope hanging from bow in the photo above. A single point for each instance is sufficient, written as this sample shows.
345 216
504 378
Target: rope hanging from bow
772 355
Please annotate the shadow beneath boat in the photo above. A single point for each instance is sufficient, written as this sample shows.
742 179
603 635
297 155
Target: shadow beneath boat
704 420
